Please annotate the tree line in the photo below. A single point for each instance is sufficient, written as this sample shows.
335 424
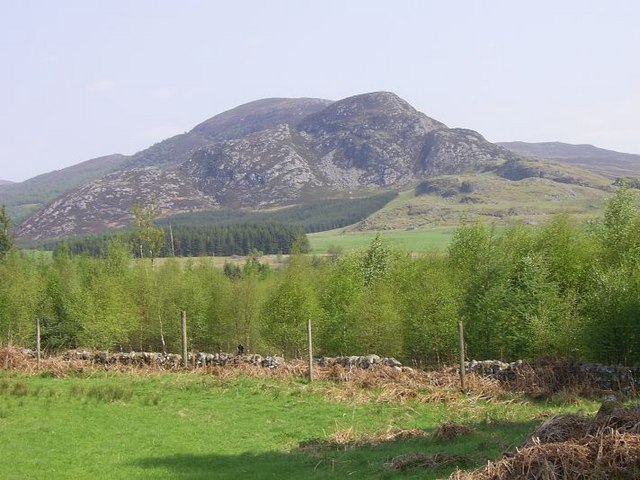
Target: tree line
562 289
311 217
226 232
189 240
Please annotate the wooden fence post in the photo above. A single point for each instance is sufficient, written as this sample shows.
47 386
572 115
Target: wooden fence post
183 328
461 346
310 350
38 342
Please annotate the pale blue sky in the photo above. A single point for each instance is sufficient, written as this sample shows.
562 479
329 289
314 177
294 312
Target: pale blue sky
86 78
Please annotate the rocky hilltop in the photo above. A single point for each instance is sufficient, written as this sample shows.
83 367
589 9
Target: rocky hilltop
274 152
235 123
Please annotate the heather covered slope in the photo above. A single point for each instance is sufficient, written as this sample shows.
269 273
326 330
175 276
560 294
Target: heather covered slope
24 198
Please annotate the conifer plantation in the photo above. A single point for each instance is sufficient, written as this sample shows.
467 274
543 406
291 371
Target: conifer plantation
564 288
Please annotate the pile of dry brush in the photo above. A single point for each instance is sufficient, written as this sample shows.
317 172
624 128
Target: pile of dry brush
573 447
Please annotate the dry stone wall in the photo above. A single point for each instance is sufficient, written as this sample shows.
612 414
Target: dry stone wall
606 377
564 373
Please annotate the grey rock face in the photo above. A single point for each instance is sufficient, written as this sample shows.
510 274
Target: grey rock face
449 151
265 169
366 141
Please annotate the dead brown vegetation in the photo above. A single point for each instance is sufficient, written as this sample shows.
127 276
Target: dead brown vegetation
449 431
377 383
573 447
347 438
412 461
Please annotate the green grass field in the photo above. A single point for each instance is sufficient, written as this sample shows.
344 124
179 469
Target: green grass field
406 240
193 426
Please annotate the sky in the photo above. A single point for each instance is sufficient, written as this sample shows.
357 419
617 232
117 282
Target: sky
82 79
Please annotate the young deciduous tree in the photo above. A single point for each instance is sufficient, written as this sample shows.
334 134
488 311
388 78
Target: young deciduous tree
147 237
620 226
6 239
430 302
376 260
293 302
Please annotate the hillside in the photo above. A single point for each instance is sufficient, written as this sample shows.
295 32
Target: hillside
605 162
447 200
279 152
369 141
97 205
25 198
5 182
22 199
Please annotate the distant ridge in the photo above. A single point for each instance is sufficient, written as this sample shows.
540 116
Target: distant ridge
606 162
5 182
25 197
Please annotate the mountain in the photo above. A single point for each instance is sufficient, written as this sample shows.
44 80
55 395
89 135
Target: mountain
368 141
5 182
606 162
23 199
278 152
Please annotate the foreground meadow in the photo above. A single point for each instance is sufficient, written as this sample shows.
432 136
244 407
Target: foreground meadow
92 423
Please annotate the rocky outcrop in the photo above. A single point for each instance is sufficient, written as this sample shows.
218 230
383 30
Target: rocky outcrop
362 142
265 169
455 150
238 122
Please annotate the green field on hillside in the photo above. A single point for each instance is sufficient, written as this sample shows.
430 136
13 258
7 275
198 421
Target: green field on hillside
446 201
102 425
406 240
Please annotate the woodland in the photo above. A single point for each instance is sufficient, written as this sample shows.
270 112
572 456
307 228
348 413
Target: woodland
565 289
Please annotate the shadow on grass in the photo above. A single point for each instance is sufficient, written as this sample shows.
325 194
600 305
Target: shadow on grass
487 441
